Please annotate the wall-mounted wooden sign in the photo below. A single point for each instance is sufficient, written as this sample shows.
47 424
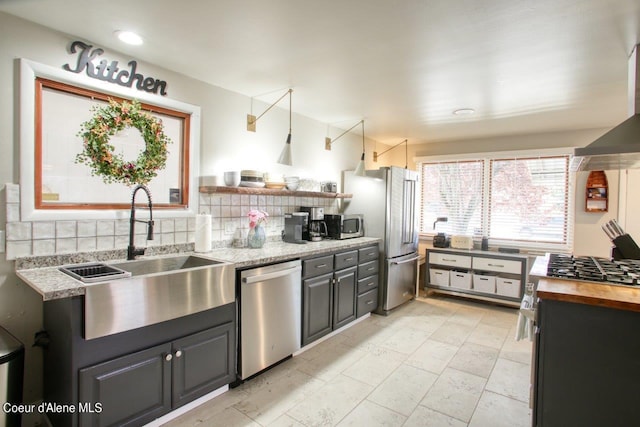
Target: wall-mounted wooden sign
110 72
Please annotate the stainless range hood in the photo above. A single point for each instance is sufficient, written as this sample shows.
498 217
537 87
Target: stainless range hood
620 147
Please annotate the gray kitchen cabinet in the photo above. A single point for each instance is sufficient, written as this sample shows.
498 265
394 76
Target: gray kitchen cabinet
329 286
140 387
344 297
317 307
586 369
368 277
129 370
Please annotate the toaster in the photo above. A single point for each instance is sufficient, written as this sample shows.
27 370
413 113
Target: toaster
462 242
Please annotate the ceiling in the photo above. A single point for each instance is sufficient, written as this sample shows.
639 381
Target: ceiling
525 66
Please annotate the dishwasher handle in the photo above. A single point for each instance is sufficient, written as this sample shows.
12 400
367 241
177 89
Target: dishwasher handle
272 275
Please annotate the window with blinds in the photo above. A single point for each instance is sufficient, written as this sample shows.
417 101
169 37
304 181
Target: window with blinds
522 200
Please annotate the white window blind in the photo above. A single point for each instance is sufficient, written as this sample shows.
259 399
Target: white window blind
453 190
528 199
524 201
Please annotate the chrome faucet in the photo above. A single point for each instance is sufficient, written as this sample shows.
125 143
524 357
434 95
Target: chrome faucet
132 251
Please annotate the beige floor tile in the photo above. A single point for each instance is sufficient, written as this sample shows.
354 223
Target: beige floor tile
455 393
452 333
510 379
230 417
406 340
467 316
403 389
332 402
375 366
495 410
369 414
285 421
504 317
517 351
475 359
432 356
425 417
330 363
209 409
275 398
487 335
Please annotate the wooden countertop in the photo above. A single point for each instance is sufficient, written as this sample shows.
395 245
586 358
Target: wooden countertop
612 296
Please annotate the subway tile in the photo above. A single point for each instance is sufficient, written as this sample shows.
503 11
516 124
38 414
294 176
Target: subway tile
105 228
44 247
66 245
105 243
122 227
18 249
12 193
19 231
65 229
13 212
87 244
180 224
87 229
44 230
167 226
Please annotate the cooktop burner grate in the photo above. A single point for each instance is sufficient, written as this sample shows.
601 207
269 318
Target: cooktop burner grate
622 272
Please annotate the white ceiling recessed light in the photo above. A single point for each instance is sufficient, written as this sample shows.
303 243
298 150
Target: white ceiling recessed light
129 37
464 111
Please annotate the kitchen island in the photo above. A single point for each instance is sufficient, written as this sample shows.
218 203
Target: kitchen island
587 364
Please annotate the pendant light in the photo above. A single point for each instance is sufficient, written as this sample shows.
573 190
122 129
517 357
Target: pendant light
285 155
327 146
406 162
360 168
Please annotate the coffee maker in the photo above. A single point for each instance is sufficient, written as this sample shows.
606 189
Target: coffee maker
317 228
294 225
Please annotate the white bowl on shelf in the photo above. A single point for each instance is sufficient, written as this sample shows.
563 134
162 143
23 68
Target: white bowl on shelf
232 178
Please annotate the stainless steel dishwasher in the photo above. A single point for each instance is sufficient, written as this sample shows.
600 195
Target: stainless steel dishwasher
270 315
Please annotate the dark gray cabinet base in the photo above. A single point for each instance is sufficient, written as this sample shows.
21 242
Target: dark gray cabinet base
587 363
130 370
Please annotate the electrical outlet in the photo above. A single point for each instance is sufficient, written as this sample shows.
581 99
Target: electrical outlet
2 242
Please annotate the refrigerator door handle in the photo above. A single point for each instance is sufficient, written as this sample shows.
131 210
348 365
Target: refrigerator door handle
408 217
405 261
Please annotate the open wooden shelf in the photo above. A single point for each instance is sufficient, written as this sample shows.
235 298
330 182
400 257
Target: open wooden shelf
271 192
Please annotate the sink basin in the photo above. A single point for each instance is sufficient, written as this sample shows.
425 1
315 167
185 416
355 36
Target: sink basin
161 265
158 289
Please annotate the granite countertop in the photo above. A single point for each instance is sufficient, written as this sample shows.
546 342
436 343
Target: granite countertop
52 284
599 294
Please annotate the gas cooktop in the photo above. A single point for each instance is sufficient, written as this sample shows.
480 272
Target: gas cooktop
618 272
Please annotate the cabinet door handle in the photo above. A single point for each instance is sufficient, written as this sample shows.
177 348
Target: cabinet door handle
321 265
179 353
168 357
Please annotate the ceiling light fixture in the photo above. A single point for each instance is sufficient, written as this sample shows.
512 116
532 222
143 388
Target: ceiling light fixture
285 155
129 37
327 146
463 112
406 154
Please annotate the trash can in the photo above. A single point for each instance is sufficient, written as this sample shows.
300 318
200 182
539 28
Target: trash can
11 372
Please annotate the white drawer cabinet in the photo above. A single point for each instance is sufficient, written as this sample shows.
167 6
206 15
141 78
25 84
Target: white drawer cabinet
450 260
497 265
491 276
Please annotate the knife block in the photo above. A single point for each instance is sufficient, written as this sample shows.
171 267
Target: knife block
625 248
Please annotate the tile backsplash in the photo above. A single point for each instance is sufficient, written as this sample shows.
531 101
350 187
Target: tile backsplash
230 225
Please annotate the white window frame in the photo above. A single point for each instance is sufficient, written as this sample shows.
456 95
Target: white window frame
497 155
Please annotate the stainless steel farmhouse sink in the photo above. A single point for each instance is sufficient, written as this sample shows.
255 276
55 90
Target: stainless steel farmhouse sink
162 265
159 289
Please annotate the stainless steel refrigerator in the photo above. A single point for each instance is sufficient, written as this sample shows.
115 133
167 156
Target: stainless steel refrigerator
387 198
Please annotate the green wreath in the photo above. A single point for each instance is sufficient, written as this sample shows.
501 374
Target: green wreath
99 155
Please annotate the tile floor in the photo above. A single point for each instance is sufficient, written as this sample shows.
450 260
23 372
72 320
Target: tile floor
436 361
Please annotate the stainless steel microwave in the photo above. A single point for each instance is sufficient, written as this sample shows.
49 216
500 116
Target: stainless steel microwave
343 226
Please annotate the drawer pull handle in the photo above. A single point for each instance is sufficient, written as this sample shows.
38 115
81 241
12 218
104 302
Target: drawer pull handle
459 275
370 284
371 254
349 259
483 278
369 302
495 265
449 260
321 265
437 273
370 268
